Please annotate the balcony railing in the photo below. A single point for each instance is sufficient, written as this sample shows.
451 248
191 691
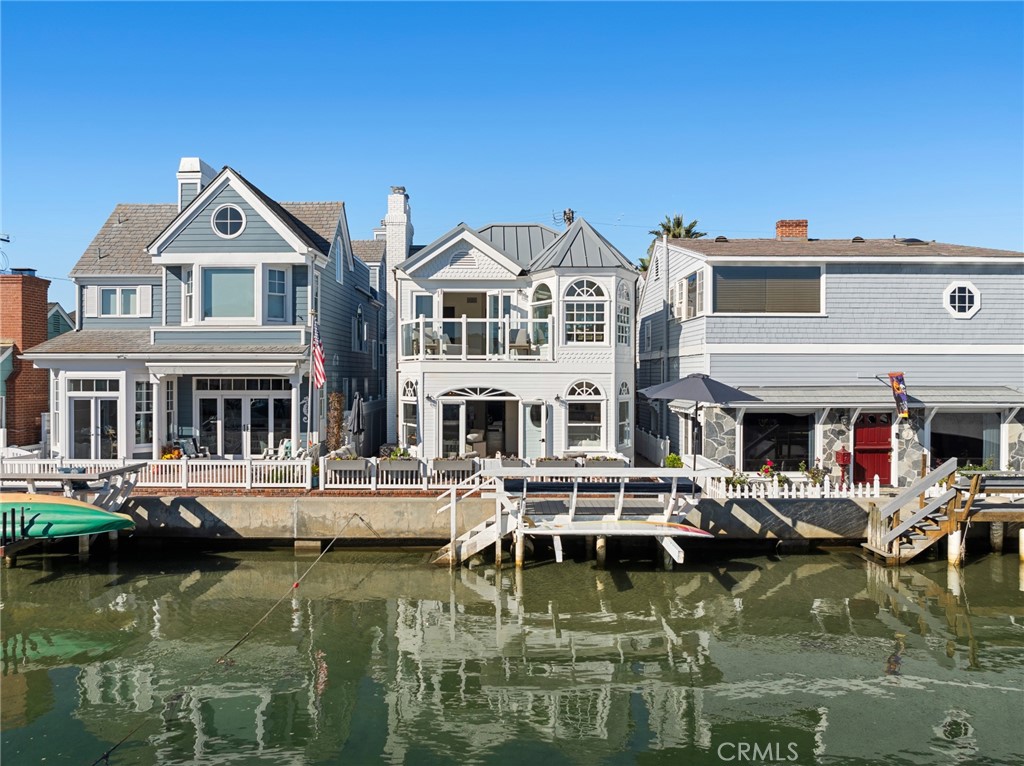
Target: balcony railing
466 338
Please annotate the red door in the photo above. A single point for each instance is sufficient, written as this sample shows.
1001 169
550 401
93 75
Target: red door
872 448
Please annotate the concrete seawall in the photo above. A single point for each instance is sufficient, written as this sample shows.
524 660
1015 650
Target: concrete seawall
410 519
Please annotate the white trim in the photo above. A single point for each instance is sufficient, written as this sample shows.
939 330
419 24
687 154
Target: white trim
861 348
63 313
163 297
819 259
142 301
951 288
287 319
229 259
426 255
213 221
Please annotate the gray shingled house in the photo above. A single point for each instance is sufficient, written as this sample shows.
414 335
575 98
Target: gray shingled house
813 327
194 319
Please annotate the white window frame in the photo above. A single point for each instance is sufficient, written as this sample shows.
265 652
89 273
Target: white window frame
286 318
624 399
170 410
573 305
143 384
623 317
213 221
412 304
947 296
119 292
586 392
188 295
257 308
688 311
647 336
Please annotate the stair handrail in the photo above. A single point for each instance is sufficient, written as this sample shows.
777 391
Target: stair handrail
454 488
918 487
931 507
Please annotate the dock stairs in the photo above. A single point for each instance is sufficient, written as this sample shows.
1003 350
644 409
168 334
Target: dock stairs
483 535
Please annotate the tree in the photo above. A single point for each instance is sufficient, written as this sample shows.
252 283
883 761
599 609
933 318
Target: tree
674 228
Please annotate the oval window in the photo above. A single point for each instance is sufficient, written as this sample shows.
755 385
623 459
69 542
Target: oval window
536 415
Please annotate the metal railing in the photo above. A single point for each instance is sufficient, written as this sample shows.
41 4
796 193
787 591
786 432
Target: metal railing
465 338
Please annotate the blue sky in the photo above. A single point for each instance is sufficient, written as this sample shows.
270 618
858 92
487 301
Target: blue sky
868 119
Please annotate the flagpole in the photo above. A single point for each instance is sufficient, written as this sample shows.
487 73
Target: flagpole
314 393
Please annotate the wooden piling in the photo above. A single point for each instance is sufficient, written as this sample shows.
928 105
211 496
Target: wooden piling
953 541
601 551
996 534
520 549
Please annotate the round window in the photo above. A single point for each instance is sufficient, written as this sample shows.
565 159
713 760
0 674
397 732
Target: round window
228 221
535 415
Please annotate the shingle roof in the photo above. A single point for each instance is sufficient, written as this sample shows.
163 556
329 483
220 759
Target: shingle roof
870 248
581 246
137 342
120 245
522 242
369 250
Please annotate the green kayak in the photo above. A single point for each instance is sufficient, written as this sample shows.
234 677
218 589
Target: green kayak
48 516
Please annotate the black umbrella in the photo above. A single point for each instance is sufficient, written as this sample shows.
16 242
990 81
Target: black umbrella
699 389
355 420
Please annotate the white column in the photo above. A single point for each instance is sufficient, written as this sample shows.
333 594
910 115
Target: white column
159 420
296 383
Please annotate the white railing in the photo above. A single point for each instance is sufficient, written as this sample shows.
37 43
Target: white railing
186 473
727 489
403 473
465 338
653 448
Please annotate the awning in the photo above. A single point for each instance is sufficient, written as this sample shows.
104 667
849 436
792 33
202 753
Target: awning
878 396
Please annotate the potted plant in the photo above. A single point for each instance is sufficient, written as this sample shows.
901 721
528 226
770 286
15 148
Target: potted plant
672 460
815 474
398 460
769 472
511 461
557 461
605 461
346 462
452 464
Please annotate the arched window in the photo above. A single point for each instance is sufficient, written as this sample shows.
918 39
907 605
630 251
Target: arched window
585 312
585 421
623 331
625 422
410 412
540 310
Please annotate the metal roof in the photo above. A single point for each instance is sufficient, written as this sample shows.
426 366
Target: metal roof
877 396
521 242
846 248
137 342
581 246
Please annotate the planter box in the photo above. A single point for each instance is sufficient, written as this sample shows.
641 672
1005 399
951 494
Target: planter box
514 463
449 466
541 464
614 463
358 464
399 464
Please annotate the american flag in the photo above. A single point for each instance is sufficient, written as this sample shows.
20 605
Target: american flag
317 350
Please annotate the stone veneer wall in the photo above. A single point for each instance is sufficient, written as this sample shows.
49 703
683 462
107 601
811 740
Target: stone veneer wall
910 438
720 435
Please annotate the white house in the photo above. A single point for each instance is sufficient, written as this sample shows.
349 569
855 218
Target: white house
511 338
813 328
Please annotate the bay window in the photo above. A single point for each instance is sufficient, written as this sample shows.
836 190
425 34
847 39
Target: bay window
229 293
585 309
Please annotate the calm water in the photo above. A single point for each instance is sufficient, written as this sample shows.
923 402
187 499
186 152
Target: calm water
378 658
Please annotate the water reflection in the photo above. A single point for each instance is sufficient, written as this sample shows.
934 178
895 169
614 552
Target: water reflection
378 657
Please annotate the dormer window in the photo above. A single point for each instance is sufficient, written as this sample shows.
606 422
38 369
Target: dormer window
228 221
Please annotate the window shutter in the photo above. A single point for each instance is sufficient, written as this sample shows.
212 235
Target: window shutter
92 293
145 300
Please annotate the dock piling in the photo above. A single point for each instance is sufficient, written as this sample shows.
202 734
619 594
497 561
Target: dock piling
520 548
953 542
1020 543
996 535
601 551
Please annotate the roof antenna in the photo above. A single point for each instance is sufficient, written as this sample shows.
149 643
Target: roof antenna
568 216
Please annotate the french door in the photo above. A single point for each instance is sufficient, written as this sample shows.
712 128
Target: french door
499 307
94 430
243 426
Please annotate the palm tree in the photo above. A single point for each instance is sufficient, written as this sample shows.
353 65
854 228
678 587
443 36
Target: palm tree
674 228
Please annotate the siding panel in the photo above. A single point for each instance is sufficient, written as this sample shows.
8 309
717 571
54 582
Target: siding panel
257 237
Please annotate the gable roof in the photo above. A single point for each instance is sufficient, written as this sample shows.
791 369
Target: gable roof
581 246
369 250
448 238
895 249
120 245
522 242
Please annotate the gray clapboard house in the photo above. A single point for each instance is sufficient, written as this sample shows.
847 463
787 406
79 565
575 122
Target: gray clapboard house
813 327
194 319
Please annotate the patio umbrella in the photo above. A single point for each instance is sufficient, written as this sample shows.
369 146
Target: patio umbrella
699 389
355 420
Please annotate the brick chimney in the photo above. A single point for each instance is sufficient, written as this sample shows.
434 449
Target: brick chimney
791 229
23 323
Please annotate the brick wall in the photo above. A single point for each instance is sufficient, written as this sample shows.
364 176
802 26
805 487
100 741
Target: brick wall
791 229
23 320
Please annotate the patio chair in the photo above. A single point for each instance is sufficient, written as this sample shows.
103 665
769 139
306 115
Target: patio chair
520 343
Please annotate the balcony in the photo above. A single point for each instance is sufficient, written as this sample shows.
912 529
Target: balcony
477 339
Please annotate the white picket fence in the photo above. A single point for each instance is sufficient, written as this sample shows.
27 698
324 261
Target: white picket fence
652 448
186 473
718 489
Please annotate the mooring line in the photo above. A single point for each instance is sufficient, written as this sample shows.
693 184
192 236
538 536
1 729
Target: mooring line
105 758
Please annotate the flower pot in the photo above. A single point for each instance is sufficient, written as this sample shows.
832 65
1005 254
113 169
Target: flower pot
356 464
447 465
399 464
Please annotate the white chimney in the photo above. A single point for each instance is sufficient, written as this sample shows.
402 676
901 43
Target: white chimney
193 175
398 237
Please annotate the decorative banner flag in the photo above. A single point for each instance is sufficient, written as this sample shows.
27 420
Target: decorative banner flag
317 352
899 393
